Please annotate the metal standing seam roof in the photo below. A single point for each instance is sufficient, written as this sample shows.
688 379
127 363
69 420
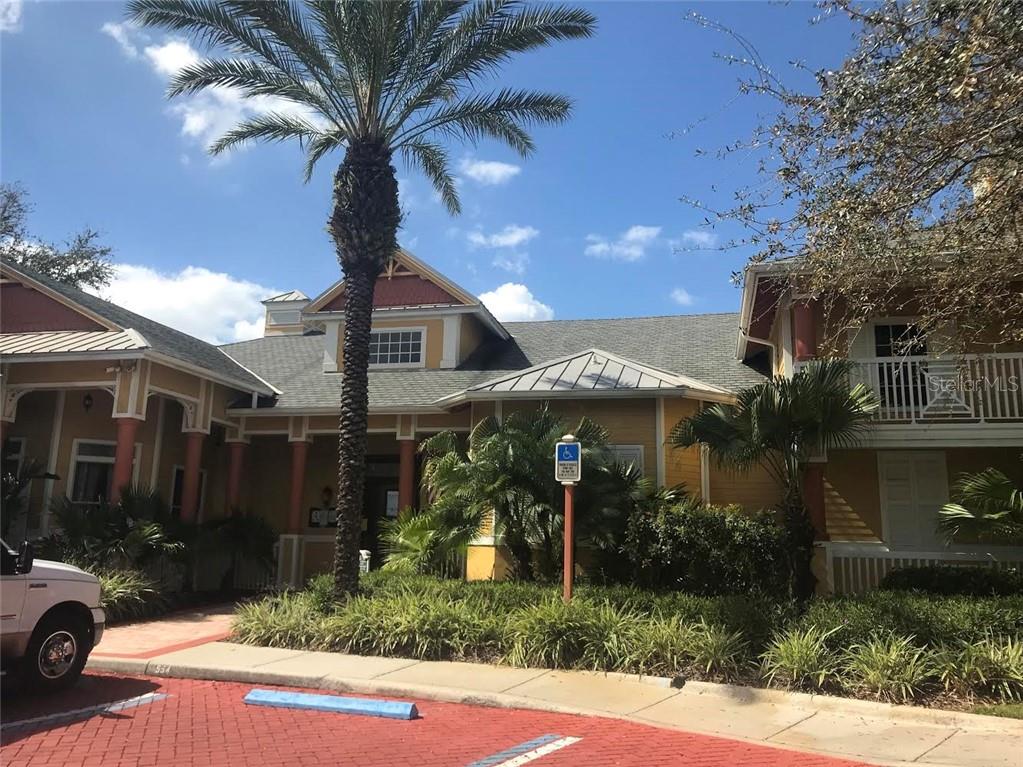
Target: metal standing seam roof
291 295
589 371
66 341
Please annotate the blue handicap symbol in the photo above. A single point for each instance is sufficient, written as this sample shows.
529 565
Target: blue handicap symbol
569 453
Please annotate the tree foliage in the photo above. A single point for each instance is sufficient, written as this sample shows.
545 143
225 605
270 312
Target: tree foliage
79 262
898 180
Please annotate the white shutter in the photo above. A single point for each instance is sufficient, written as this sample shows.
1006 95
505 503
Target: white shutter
914 486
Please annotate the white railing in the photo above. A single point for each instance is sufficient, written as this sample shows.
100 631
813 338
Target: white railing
852 568
972 388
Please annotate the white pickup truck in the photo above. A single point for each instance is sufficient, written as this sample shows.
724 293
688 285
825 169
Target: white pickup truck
50 619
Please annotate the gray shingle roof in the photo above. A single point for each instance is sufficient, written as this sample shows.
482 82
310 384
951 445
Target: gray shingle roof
161 338
697 346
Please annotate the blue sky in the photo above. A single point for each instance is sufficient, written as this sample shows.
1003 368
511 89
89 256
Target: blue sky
589 226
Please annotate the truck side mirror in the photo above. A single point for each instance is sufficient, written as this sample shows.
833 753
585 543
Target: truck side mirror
25 558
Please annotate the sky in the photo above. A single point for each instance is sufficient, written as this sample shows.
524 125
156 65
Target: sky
590 225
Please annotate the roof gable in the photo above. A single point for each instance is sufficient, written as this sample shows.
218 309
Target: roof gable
593 370
406 282
30 307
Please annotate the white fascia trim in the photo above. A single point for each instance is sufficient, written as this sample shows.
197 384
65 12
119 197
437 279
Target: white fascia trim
682 392
14 359
943 435
270 388
289 411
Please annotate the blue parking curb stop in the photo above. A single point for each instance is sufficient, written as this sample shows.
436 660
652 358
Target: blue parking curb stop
388 709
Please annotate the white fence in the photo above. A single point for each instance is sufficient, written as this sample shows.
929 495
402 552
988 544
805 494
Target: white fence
971 388
853 568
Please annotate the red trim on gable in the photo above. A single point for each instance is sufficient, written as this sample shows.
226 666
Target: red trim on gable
24 310
410 290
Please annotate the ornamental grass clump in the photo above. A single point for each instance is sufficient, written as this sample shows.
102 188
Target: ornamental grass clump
283 620
129 595
580 634
990 669
801 659
888 667
716 651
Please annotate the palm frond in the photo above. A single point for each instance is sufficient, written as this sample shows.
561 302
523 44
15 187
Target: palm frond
432 160
272 126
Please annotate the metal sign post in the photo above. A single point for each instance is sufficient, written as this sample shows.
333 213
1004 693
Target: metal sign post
568 470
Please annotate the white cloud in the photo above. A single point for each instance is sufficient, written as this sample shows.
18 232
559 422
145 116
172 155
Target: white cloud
171 57
122 34
630 246
512 236
213 306
699 238
10 15
204 116
515 263
512 302
489 172
681 297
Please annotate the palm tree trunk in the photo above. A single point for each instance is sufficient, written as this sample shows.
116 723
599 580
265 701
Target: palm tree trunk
364 225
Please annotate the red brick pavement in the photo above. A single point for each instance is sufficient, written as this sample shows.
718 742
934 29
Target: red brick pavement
206 723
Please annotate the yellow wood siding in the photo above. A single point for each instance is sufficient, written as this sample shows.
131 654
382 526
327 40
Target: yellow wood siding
681 466
852 500
752 490
628 421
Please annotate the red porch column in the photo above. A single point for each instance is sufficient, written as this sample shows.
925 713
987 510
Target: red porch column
299 453
124 454
190 482
813 497
804 330
406 473
236 460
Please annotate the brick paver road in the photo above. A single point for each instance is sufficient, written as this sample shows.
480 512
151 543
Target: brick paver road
206 723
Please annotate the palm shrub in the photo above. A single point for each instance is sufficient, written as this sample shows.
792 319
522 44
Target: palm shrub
988 506
779 424
373 79
124 535
889 667
801 658
503 475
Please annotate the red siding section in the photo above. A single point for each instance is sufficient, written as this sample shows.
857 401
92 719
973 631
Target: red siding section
411 290
23 310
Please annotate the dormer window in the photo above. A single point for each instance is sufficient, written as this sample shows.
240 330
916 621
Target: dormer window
401 347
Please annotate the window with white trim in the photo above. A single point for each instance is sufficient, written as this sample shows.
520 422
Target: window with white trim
177 488
92 470
628 454
396 347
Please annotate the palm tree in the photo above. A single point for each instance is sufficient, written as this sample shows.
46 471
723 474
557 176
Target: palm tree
780 424
376 77
988 507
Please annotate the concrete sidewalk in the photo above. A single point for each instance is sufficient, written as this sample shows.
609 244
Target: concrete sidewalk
874 732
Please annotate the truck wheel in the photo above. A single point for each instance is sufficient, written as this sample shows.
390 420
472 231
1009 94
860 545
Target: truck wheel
56 653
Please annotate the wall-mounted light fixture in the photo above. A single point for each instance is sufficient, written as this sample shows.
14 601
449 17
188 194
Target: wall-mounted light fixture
87 402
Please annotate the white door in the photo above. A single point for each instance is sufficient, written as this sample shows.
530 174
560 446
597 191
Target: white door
914 486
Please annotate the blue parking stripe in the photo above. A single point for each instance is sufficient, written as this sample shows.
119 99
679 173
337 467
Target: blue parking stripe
85 713
514 751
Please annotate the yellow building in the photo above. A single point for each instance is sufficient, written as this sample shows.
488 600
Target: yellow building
103 397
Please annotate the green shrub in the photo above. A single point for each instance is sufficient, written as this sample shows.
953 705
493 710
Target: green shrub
801 658
933 620
707 550
889 667
319 591
946 580
129 595
991 668
664 647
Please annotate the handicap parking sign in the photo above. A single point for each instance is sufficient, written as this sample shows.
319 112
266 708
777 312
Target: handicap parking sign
567 462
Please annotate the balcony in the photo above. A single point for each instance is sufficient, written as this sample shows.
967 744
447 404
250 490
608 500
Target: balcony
970 389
